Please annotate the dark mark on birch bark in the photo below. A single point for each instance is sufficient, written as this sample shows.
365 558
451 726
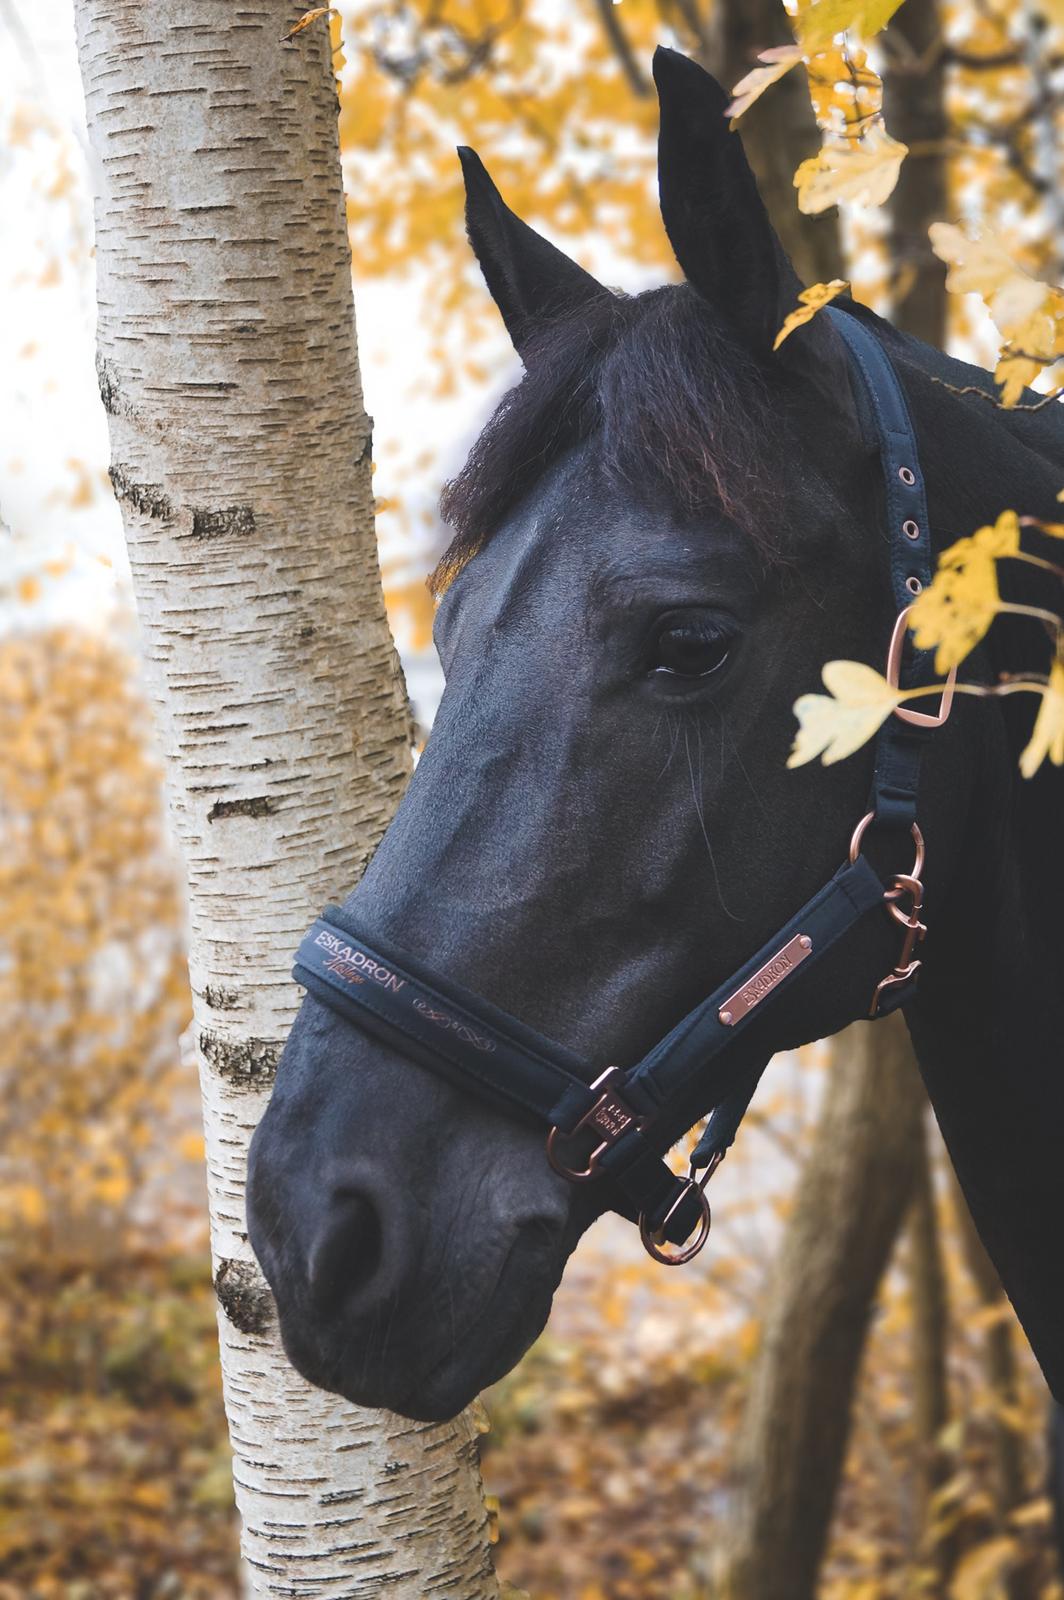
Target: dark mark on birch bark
256 805
147 498
248 1062
244 1296
220 998
225 519
107 379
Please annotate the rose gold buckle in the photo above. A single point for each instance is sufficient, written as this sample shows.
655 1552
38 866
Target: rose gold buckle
906 966
919 719
654 1243
610 1117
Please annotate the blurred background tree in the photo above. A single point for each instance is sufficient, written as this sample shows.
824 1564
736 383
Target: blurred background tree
614 1445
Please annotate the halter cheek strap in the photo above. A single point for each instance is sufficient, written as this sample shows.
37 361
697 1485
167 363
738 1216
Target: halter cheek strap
615 1125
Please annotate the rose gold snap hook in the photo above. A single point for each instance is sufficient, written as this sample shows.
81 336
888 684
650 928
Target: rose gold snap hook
918 840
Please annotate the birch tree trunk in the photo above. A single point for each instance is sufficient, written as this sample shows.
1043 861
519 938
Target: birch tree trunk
240 449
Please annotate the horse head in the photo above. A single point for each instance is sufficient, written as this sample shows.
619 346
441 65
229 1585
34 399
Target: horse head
664 531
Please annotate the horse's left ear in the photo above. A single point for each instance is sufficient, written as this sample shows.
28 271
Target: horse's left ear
528 278
713 214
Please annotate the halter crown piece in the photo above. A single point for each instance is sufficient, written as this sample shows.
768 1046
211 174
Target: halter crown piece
623 1120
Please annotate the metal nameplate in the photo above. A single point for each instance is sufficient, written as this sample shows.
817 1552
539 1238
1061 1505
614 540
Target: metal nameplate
765 979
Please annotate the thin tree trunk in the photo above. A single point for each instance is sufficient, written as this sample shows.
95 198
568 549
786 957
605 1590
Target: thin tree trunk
854 1192
914 102
240 450
1003 1380
779 131
927 1280
999 1359
914 98
621 46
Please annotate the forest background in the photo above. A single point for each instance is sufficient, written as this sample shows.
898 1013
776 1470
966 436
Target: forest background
611 1459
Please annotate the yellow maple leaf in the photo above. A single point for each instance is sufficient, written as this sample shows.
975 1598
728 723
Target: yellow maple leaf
776 62
834 725
822 21
859 171
1055 530
1047 736
843 88
810 301
1028 313
954 613
1014 372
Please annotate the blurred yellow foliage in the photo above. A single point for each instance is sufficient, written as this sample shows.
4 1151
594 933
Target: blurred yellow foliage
93 985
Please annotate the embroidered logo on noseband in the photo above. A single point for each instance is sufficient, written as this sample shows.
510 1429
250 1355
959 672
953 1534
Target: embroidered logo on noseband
443 1019
354 966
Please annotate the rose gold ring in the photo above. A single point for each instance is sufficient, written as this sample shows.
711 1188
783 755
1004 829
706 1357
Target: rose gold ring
653 1243
918 840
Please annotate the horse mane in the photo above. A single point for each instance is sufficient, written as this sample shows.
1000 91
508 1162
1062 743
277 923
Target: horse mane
679 411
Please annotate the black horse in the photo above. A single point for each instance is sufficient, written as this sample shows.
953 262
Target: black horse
662 534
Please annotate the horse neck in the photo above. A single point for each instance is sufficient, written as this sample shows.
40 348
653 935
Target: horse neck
987 1026
989 1017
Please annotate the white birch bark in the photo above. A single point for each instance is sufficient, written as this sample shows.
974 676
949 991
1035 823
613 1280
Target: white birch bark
240 449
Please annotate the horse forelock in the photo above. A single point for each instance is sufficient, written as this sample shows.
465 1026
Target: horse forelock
673 407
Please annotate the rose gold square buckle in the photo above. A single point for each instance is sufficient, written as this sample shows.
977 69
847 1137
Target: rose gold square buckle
610 1117
919 719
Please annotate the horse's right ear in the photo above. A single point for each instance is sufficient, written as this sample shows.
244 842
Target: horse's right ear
529 280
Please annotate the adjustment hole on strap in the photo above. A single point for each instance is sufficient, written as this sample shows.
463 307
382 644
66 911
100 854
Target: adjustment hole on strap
911 529
913 585
907 475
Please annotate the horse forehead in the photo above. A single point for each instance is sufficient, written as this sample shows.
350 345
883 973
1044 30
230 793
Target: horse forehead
550 553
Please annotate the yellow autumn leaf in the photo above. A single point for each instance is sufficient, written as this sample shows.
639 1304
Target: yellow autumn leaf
305 21
843 88
1035 1514
858 172
810 301
1028 313
954 613
822 21
776 62
979 1570
1055 530
834 725
1014 372
1047 737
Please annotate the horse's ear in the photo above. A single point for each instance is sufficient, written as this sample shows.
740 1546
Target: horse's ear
713 214
528 278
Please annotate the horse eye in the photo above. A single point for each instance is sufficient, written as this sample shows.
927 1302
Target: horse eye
689 650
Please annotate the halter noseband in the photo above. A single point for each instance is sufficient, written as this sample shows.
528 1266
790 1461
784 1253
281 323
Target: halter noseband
628 1118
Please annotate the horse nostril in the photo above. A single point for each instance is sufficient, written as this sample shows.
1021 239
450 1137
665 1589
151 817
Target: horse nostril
346 1255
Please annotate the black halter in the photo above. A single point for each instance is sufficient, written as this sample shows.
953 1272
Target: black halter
630 1117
